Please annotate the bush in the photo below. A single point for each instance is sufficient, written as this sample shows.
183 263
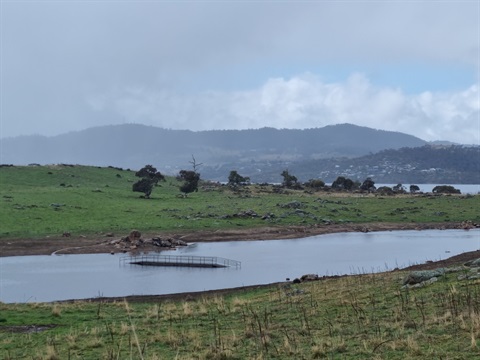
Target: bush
315 184
445 189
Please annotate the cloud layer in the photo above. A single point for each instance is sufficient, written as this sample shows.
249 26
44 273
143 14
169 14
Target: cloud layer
304 101
410 66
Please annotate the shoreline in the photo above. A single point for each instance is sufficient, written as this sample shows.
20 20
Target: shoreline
104 245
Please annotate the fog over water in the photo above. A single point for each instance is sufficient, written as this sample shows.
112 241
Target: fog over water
50 278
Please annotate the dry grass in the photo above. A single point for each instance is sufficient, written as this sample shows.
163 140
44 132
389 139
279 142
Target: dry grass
354 317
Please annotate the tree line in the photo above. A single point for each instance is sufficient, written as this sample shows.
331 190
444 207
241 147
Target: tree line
150 177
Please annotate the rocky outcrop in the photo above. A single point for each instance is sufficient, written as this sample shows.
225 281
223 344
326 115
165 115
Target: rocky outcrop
416 277
167 243
135 242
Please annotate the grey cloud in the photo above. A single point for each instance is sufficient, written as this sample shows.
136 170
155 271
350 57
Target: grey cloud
70 65
305 102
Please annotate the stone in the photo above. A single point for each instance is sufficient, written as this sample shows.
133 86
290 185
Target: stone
473 263
134 235
309 277
416 277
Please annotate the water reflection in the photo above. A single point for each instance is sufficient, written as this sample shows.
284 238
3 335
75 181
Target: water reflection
49 278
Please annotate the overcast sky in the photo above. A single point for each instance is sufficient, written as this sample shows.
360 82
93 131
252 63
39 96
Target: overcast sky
409 66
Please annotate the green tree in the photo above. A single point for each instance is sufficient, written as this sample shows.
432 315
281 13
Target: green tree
190 181
235 179
399 189
342 183
414 188
288 180
445 189
368 185
149 178
315 184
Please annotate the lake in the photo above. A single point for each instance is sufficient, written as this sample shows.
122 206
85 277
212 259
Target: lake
63 277
464 188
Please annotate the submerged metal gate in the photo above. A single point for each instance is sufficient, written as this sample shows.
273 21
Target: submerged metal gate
174 260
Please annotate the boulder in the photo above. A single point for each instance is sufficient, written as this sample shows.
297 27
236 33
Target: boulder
473 263
422 284
134 236
162 242
416 277
292 205
178 242
309 277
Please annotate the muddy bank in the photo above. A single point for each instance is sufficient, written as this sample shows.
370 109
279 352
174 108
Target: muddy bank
106 244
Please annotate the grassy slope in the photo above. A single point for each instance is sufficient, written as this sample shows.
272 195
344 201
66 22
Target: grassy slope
355 317
41 201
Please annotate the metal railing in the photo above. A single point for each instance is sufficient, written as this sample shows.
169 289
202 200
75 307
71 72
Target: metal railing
174 260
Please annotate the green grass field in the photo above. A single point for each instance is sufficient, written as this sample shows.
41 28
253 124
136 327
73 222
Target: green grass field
49 200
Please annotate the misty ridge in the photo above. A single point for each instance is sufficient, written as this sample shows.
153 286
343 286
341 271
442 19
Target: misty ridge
260 154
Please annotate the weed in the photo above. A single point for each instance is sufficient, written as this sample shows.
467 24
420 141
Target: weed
56 310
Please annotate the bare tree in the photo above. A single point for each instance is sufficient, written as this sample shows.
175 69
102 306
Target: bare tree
194 164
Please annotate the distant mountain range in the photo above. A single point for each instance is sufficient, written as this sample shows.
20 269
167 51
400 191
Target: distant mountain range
133 146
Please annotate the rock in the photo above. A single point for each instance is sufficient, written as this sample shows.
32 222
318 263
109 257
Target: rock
292 205
467 225
416 277
296 292
134 235
309 277
421 284
178 242
472 274
110 234
473 263
268 216
247 213
162 242
56 205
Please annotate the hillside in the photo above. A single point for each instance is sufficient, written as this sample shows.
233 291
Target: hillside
423 165
133 146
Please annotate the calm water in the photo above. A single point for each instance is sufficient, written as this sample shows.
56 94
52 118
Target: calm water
50 278
464 188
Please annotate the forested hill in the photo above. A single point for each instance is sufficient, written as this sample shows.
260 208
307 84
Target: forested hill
133 146
425 164
262 154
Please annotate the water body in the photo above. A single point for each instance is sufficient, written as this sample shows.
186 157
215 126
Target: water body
464 188
62 277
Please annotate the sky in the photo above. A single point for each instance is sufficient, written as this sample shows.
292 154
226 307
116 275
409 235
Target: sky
408 66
